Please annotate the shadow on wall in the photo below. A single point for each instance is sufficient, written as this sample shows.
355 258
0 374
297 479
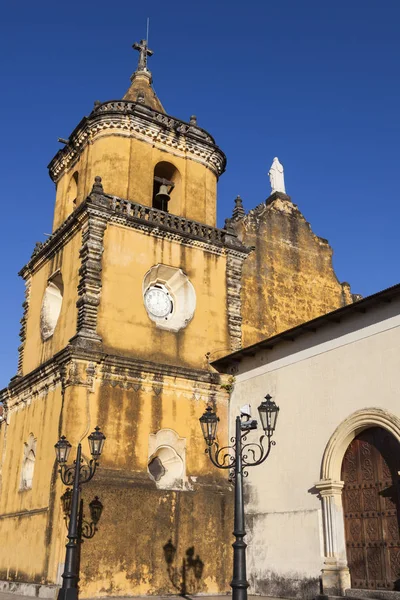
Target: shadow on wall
290 585
187 577
86 529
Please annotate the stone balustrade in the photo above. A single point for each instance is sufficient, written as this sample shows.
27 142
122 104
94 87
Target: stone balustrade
167 221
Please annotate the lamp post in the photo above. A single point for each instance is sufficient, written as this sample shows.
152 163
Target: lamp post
81 471
237 457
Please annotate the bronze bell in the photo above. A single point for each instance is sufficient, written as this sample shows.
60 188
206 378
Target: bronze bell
162 194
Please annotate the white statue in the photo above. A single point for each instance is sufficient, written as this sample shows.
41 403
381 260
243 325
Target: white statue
276 177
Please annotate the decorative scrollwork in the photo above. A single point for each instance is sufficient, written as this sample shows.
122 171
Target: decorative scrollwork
86 471
251 453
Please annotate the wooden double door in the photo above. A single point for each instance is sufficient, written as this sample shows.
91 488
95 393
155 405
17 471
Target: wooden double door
370 472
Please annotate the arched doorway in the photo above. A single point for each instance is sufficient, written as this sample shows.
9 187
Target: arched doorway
370 472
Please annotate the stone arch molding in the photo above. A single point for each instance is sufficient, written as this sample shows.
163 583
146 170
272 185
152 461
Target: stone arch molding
335 573
348 430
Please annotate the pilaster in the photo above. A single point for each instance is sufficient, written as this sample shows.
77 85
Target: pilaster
89 288
22 332
234 264
335 574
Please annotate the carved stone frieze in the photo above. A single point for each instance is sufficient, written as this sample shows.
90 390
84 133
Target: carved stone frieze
132 119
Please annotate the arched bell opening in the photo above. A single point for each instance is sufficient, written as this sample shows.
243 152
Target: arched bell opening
166 188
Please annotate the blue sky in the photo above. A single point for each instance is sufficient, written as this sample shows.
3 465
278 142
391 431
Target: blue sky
313 82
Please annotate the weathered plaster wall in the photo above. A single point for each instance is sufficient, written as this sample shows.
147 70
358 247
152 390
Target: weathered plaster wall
123 321
126 166
318 381
27 519
136 523
289 278
37 351
139 518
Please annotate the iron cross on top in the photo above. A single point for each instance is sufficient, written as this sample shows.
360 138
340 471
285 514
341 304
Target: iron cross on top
144 52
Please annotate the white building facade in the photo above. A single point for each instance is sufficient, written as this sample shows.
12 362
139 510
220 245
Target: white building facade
322 513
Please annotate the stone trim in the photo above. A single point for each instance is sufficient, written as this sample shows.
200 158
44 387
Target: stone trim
44 251
24 390
131 119
89 287
25 513
216 485
234 266
166 221
347 431
22 332
63 368
335 573
157 222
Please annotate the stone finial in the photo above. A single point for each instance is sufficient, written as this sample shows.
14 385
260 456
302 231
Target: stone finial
97 186
96 104
36 249
193 120
238 211
229 227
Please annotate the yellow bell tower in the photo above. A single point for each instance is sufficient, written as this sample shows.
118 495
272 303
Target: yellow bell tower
135 145
125 301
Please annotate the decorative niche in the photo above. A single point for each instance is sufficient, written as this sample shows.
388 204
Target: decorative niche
28 463
169 297
166 464
51 305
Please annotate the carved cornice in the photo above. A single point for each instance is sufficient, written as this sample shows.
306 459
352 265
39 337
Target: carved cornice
23 389
131 119
144 218
79 366
43 252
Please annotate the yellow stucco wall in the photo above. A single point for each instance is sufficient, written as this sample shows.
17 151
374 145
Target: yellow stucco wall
126 166
36 350
26 517
126 556
123 322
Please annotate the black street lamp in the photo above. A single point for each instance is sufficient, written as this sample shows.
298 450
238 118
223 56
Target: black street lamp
81 471
238 457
